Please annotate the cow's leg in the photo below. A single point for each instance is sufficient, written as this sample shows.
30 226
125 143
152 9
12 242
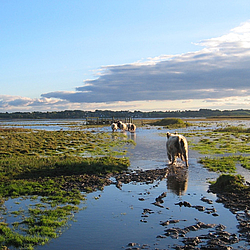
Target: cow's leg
186 159
182 157
173 159
169 157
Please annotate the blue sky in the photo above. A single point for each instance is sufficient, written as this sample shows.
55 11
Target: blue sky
124 55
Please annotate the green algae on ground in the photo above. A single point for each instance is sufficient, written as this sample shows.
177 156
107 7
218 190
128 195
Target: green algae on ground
49 165
234 129
19 142
223 164
228 148
33 167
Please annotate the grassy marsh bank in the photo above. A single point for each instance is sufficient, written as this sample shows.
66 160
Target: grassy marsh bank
49 167
224 148
170 123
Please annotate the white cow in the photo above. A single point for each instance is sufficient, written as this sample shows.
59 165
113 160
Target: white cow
114 126
177 146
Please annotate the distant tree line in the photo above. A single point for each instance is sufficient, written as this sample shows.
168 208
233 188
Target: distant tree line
80 114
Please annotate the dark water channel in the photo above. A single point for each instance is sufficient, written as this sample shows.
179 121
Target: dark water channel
112 218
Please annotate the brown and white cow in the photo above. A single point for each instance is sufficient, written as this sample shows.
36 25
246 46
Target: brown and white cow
114 126
131 127
122 126
177 146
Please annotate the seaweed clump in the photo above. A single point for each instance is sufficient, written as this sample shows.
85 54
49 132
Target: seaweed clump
229 183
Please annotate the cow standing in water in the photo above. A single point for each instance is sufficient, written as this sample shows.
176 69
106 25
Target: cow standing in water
114 126
122 126
177 146
131 127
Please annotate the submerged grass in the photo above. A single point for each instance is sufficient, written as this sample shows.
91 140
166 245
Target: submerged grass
49 165
224 147
229 146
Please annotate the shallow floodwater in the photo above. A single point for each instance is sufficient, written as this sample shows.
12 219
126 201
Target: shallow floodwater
112 218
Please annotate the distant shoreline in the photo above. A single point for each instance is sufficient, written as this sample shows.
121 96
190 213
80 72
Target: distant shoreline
109 114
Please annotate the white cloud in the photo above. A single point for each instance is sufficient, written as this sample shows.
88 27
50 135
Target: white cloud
219 70
218 74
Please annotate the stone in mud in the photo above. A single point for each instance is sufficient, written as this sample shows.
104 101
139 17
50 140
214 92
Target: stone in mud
193 241
210 210
161 236
183 203
204 199
215 214
203 225
174 221
175 233
147 211
159 199
119 184
132 244
186 204
165 223
199 208
158 204
192 228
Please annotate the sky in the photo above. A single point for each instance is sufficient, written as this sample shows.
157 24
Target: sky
124 55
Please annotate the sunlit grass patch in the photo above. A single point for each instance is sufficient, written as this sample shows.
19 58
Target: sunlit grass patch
219 143
8 237
245 161
18 142
234 129
223 164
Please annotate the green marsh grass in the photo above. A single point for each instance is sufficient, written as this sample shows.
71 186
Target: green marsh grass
224 147
229 183
45 166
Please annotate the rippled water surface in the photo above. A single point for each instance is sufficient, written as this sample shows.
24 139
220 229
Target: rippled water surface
112 218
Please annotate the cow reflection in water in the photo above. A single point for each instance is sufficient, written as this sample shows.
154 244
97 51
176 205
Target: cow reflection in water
177 179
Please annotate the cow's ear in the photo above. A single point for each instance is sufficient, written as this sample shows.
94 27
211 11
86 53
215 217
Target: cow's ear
168 134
